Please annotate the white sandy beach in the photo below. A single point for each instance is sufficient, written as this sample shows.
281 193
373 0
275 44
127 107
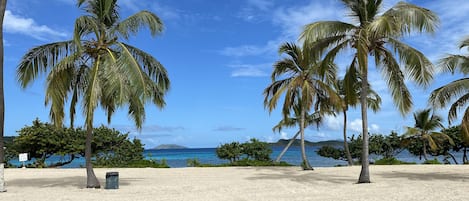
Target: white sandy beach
409 182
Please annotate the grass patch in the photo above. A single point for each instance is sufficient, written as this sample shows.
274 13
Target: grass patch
391 161
137 164
244 162
432 162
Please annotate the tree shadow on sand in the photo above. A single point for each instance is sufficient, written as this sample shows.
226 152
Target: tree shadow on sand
304 177
426 176
77 181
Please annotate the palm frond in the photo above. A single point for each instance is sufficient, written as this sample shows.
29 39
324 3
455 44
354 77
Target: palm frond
419 68
452 62
134 23
39 59
325 29
84 25
460 103
465 127
152 67
440 97
395 80
413 18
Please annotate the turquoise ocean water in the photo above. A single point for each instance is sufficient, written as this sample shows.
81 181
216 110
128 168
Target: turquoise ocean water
177 158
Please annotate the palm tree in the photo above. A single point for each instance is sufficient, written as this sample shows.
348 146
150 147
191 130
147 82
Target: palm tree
376 34
315 118
457 90
97 68
303 82
3 4
424 130
349 92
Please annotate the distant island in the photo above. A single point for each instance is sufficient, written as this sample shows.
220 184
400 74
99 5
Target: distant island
170 146
333 143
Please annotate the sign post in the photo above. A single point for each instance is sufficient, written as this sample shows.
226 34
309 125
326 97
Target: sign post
23 157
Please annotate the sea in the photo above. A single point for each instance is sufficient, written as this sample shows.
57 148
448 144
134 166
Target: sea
177 158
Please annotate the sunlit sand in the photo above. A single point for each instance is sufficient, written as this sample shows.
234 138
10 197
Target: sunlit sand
409 182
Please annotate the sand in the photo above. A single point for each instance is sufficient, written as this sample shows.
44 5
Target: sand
409 182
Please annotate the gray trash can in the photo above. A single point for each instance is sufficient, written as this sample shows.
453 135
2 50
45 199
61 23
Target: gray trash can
112 180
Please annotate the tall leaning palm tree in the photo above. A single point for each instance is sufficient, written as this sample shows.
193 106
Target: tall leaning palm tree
349 92
457 91
3 4
376 34
97 68
301 81
424 130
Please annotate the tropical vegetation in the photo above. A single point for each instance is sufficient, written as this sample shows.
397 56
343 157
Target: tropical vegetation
424 130
305 84
349 92
456 93
111 148
252 150
377 34
96 68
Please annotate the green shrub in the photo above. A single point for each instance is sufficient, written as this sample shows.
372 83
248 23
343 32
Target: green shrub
391 161
432 162
247 162
193 162
136 164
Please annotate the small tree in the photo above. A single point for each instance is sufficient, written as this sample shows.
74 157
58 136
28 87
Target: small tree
257 150
230 151
43 140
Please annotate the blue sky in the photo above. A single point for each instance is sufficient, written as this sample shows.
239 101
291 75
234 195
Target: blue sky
219 55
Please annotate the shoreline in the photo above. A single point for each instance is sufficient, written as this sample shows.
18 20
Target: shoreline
398 182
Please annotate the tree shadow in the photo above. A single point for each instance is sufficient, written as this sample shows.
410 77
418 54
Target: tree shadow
303 176
426 176
77 181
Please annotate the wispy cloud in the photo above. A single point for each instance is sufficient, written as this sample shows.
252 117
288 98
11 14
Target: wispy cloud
261 4
27 26
289 19
293 19
250 70
228 128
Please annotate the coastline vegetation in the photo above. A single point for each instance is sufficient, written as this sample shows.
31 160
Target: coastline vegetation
110 147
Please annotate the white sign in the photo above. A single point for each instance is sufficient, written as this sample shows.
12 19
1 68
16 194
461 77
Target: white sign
23 157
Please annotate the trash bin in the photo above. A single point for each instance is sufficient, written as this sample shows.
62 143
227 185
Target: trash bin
112 180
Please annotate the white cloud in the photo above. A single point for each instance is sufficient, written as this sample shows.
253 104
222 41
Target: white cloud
333 122
289 19
374 128
284 135
293 19
356 126
27 26
250 70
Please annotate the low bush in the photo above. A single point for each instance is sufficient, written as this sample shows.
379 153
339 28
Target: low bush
391 161
432 162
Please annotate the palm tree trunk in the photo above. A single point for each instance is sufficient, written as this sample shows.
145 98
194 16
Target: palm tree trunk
365 170
464 156
454 158
425 151
91 180
306 165
347 150
286 148
2 99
